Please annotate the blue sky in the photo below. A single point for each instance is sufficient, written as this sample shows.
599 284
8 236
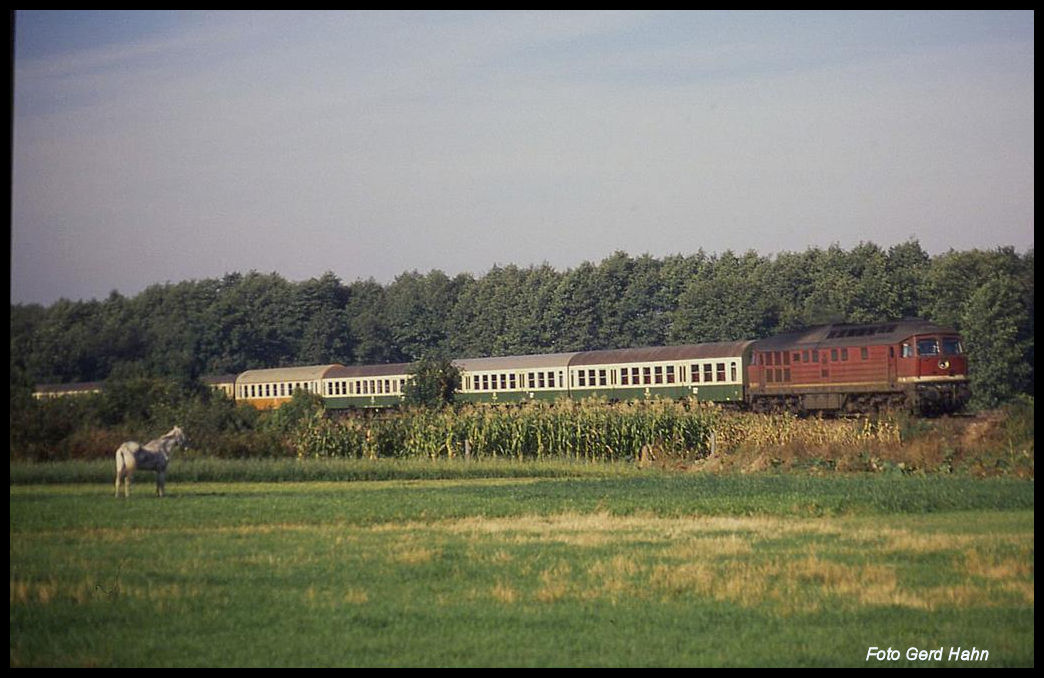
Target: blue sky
167 146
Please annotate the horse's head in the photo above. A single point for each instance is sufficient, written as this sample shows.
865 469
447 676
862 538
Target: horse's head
178 436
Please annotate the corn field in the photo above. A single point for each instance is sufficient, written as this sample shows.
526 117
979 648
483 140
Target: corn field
735 431
589 430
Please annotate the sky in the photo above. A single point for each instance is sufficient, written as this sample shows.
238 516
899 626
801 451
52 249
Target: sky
161 146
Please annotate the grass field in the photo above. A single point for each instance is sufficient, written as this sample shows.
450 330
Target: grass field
575 566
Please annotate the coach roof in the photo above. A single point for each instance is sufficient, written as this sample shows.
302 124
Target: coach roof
295 374
722 349
357 371
514 362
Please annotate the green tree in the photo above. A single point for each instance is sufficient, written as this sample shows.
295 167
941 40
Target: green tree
433 383
998 348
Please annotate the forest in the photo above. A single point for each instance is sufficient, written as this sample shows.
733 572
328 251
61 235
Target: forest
183 330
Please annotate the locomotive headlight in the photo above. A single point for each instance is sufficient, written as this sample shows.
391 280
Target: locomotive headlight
944 364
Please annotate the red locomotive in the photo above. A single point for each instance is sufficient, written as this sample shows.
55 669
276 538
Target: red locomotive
911 364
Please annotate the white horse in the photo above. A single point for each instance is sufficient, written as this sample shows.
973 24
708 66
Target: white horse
152 456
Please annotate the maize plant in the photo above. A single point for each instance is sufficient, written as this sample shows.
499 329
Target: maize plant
591 430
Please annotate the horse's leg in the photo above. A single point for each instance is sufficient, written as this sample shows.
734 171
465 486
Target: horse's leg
161 483
121 469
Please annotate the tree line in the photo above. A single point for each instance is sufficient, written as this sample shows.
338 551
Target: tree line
242 321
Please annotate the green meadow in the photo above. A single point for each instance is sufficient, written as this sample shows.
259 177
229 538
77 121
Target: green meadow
570 565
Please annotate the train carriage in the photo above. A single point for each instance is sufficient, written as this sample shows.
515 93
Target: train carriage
712 372
354 386
268 388
512 379
910 363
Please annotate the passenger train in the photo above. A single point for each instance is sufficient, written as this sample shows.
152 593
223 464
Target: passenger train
911 364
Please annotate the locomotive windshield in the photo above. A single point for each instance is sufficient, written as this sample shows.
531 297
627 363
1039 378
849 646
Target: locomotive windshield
952 346
928 346
945 346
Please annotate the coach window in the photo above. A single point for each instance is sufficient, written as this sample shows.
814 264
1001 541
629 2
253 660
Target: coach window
670 374
864 353
833 355
815 355
907 351
844 354
646 375
624 374
708 373
721 371
541 380
735 368
658 374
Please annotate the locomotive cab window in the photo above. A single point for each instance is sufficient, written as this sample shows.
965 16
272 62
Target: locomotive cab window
927 347
952 346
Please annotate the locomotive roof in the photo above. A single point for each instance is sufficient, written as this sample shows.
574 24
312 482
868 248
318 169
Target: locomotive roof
386 370
514 362
305 373
721 349
852 335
